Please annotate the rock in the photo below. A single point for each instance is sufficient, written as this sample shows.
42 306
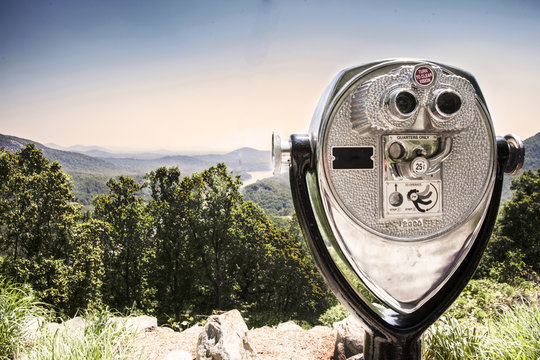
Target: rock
142 323
349 338
339 352
31 327
225 337
75 325
178 355
289 325
319 329
52 328
195 329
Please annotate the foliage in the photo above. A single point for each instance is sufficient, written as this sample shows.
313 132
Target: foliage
513 253
87 269
172 275
86 186
489 320
334 314
194 247
273 195
214 251
520 218
285 284
125 257
514 334
34 205
36 218
486 298
101 338
211 219
18 307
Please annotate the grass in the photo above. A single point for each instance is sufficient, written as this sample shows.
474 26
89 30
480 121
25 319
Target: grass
18 310
102 337
512 335
25 333
490 320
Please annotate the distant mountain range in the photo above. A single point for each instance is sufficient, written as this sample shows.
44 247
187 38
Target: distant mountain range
91 166
98 151
70 161
96 160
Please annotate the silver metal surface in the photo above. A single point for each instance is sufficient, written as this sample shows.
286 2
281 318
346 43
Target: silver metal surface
384 246
517 154
281 153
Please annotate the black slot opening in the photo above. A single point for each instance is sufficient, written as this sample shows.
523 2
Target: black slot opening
352 158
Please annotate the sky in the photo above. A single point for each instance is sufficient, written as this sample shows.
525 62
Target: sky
218 75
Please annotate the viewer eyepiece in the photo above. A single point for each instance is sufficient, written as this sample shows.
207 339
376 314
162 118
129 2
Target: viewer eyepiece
401 103
405 102
448 102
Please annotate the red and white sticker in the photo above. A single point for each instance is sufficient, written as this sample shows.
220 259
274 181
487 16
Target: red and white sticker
423 75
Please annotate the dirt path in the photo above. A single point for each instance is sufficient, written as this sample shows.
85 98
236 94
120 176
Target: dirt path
270 343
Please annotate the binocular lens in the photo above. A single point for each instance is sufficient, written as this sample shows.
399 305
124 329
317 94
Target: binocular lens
405 102
448 103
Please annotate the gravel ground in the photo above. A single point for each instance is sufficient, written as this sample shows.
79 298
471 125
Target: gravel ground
270 343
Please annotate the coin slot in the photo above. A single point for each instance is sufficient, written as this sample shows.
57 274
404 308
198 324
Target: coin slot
352 158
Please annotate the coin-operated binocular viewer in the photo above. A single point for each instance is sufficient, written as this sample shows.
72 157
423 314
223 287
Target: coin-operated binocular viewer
396 187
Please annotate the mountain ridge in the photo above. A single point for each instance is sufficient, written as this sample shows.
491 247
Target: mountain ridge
95 158
90 173
70 161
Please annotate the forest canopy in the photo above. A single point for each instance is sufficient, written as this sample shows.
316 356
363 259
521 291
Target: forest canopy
194 247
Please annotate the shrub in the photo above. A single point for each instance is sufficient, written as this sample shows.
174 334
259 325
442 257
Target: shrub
334 314
485 298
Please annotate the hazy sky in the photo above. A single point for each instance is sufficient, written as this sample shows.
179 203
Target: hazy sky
218 75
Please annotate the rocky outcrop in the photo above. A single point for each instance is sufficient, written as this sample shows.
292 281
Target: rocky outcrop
75 325
349 338
225 337
289 325
142 323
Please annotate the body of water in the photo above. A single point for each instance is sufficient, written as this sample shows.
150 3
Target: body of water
257 175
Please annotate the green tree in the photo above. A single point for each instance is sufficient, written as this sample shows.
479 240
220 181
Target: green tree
513 252
126 255
214 200
274 275
172 271
36 219
87 271
35 200
272 195
253 263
